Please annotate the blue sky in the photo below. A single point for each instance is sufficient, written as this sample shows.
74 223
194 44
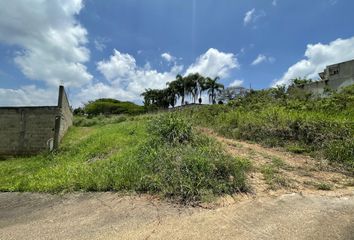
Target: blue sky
117 48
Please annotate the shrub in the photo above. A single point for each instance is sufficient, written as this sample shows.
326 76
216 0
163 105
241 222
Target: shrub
112 106
171 128
191 172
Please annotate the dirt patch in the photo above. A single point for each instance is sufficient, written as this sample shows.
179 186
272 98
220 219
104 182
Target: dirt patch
111 216
276 171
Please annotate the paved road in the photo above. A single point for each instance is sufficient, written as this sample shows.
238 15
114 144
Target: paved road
110 216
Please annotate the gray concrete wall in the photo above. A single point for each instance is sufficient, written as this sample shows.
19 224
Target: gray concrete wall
66 113
29 130
26 130
334 77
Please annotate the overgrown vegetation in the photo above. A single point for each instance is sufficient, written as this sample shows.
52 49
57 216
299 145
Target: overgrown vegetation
108 106
84 121
154 154
322 127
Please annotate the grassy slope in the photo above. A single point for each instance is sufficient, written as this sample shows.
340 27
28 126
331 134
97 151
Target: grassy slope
84 162
321 134
127 156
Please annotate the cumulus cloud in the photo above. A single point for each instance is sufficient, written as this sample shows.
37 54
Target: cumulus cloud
214 63
168 57
52 42
28 96
262 58
236 83
126 79
317 57
252 16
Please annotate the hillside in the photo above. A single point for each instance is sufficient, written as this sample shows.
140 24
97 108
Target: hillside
199 153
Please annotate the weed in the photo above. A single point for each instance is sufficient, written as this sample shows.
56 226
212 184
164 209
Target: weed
296 149
324 186
171 128
272 175
277 162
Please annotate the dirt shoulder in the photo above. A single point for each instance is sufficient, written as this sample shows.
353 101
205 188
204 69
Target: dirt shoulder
110 216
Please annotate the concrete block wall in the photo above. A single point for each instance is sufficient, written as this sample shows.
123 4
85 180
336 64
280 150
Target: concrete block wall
29 130
66 114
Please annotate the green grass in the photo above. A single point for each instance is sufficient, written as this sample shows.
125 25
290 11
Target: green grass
131 156
322 134
71 168
324 186
272 174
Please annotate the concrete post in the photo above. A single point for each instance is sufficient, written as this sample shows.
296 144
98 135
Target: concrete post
58 119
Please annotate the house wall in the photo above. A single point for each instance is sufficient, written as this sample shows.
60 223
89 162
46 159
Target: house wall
29 130
334 77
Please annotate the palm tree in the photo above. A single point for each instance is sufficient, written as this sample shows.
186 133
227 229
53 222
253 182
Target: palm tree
172 93
180 85
202 86
150 96
213 88
191 82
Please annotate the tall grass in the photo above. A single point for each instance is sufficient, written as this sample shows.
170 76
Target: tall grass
321 127
134 156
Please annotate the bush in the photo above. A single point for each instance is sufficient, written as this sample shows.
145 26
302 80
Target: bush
193 172
111 106
171 128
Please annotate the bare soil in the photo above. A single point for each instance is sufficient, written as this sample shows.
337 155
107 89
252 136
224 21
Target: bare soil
286 203
111 216
294 173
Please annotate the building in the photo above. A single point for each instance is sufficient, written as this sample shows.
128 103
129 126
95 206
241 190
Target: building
30 130
334 77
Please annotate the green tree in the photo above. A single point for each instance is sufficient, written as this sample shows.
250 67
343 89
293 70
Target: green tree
213 88
180 85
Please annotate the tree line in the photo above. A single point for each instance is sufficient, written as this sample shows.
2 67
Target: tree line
192 85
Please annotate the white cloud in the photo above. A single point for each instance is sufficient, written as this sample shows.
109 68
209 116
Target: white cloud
252 16
168 57
262 58
274 3
52 42
28 96
249 16
236 83
317 57
126 79
214 63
